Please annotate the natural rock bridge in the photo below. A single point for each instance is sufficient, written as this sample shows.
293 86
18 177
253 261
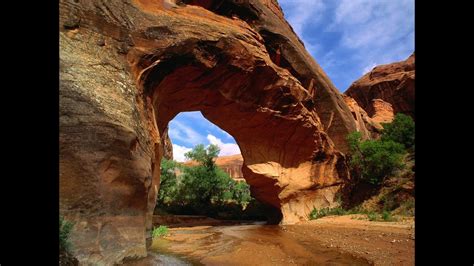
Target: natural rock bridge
128 67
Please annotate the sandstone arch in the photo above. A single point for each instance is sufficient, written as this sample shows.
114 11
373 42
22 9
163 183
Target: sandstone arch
127 68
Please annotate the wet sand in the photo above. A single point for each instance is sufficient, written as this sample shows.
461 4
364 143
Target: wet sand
335 240
249 245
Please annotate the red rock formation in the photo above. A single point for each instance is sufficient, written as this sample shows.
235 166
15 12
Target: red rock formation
393 83
370 127
128 67
232 165
167 146
383 111
365 124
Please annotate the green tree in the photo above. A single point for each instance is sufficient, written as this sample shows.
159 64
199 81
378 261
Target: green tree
204 183
353 140
401 130
241 193
168 182
204 188
201 185
373 160
204 156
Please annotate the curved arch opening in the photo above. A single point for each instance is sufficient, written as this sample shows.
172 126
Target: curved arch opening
184 188
289 162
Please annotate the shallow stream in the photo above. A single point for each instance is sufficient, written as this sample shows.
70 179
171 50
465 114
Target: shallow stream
242 244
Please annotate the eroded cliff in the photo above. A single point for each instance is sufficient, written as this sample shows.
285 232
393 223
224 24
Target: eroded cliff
128 67
392 83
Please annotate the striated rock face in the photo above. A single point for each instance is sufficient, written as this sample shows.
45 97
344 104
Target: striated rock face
370 127
392 83
128 67
232 165
364 123
167 146
383 111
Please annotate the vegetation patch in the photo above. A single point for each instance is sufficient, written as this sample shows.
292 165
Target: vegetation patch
65 228
159 231
400 130
384 171
65 255
204 189
373 160
385 216
316 214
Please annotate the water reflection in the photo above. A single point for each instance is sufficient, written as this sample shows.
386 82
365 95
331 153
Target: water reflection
251 244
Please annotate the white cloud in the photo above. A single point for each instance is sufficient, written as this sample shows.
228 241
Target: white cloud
354 11
371 26
179 131
301 13
179 151
226 148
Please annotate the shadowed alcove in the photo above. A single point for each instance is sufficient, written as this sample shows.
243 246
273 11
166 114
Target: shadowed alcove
261 105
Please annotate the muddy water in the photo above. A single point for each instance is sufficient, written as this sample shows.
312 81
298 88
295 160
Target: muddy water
245 244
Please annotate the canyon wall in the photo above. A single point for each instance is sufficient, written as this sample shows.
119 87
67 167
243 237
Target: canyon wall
128 67
391 83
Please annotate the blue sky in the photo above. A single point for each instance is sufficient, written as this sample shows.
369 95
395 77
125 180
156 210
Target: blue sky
346 37
188 129
349 37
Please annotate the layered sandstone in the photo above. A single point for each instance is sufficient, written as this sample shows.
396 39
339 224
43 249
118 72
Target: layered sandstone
232 165
128 67
364 123
370 127
167 146
383 111
392 83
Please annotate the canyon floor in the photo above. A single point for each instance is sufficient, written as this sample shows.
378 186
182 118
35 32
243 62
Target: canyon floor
381 243
333 240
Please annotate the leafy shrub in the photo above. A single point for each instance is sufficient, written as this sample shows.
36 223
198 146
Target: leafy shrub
357 210
65 228
316 214
159 231
372 216
400 130
387 216
373 160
